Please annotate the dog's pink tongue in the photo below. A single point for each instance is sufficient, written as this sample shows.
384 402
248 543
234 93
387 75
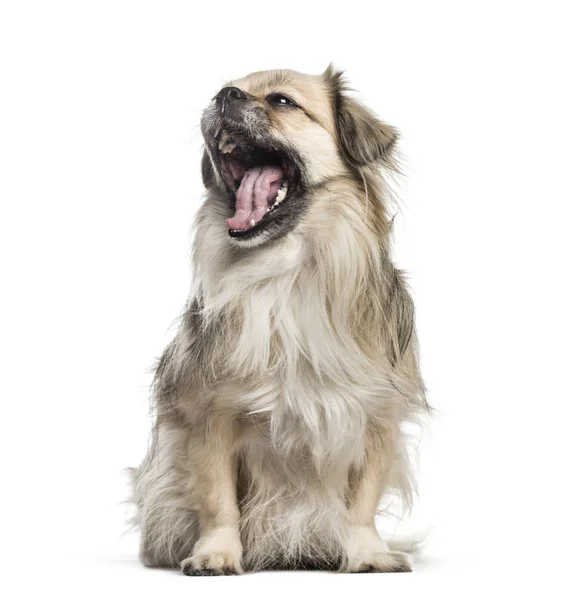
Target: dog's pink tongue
258 187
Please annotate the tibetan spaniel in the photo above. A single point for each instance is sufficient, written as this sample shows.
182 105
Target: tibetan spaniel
282 403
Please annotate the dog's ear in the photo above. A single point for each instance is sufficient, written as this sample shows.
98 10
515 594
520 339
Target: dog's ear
208 177
362 137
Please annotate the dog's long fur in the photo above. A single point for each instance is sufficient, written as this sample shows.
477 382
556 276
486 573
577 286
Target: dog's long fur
281 400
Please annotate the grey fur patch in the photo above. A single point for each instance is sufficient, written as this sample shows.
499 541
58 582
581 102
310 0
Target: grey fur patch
208 177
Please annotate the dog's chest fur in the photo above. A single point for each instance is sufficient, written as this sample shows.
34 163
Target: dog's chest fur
302 388
293 372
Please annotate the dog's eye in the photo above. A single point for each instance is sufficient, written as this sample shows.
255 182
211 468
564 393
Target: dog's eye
280 100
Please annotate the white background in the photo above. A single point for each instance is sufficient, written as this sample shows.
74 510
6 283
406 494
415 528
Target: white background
99 176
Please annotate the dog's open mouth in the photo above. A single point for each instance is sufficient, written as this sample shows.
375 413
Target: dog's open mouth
259 180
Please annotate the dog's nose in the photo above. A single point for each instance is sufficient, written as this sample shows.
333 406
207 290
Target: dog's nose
230 93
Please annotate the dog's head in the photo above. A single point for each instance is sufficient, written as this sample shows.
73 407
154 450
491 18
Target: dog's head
273 137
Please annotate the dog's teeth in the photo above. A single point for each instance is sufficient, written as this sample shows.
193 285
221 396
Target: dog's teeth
252 222
224 141
228 148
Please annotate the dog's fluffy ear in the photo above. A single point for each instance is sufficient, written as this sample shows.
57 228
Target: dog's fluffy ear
363 138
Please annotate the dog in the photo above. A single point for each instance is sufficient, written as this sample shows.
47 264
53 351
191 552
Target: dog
280 403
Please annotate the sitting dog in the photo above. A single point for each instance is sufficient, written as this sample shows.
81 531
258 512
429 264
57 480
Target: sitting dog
280 403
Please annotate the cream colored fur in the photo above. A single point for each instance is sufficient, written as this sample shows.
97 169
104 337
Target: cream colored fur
280 406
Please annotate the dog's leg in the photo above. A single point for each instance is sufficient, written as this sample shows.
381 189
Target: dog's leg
365 549
218 551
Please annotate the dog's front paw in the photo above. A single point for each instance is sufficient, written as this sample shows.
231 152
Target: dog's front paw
383 562
217 553
217 563
368 553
